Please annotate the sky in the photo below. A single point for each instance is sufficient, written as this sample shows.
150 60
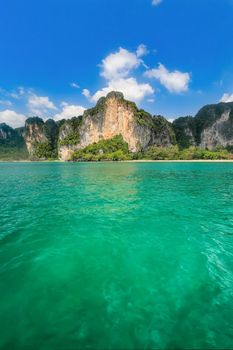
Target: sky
57 57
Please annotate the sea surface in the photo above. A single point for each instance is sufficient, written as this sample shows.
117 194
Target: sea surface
116 256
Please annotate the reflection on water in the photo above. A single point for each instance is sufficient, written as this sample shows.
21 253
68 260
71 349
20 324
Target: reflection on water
117 256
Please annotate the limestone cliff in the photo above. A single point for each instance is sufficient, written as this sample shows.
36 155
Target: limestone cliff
214 126
34 133
6 133
211 127
41 137
69 137
113 116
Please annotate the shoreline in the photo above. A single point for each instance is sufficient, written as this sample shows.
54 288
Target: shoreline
125 161
182 161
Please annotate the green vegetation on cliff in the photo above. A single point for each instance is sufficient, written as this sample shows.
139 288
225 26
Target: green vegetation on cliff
162 126
112 149
99 108
12 145
44 150
45 136
185 131
69 132
51 131
143 118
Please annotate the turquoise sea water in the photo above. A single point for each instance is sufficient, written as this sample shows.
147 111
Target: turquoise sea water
116 256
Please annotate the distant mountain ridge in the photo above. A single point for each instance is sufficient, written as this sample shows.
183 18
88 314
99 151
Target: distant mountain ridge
12 143
113 116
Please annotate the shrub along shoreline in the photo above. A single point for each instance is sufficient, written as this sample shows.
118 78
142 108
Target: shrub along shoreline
116 149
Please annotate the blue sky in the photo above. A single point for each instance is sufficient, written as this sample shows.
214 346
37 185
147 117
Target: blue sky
58 56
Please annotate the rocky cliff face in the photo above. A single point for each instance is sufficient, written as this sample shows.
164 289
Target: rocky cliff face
40 137
6 132
69 137
114 116
34 133
211 127
214 126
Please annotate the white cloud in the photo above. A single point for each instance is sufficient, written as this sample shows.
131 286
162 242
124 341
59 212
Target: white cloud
69 111
5 103
40 104
12 118
116 68
156 2
74 85
131 89
119 64
227 98
86 93
174 81
142 50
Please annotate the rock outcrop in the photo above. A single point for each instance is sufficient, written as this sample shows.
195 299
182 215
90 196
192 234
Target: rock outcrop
41 137
214 126
34 133
211 127
113 116
69 137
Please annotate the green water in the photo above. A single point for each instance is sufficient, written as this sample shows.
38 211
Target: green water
116 256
